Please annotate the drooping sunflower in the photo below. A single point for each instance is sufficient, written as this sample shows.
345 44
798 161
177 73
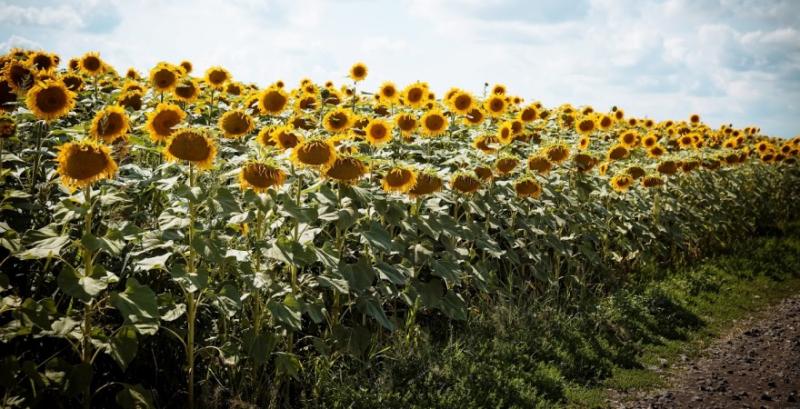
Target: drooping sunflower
399 179
50 100
314 152
378 132
584 162
164 77
415 95
186 66
621 182
20 75
358 72
191 145
73 82
528 187
264 137
235 123
495 106
506 164
285 137
110 124
80 164
187 90
162 120
338 120
539 163
651 181
629 138
91 64
618 152
434 123
216 77
484 173
345 169
465 182
667 167
273 101
529 113
131 100
407 123
485 143
8 127
260 176
462 102
557 153
427 183
586 124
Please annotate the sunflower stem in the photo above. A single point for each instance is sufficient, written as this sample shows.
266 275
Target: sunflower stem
191 305
37 161
86 331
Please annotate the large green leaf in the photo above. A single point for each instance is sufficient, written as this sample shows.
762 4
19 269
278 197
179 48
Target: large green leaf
138 306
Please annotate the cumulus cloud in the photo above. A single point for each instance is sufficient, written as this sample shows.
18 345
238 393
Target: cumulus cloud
62 16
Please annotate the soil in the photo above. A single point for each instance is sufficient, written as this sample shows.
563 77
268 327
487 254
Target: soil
756 365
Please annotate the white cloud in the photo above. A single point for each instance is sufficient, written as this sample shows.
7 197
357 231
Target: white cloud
57 16
17 41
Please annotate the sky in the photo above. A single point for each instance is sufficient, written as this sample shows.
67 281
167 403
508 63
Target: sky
732 61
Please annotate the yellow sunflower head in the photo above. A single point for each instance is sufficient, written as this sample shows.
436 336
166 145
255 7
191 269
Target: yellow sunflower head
629 138
285 137
378 132
164 77
193 146
656 151
187 90
649 140
618 152
694 119
584 142
73 82
315 152
605 122
260 176
8 127
345 169
131 100
528 187
621 182
499 89
19 74
415 95
50 100
82 163
162 120
91 64
273 101
406 123
586 124
399 179
42 61
465 182
434 123
462 102
427 183
529 113
110 124
235 123
216 77
358 72
389 92
338 120
495 106
186 66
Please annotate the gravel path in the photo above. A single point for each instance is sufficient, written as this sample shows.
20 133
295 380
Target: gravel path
757 365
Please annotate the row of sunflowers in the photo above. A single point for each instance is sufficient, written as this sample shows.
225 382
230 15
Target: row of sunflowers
173 240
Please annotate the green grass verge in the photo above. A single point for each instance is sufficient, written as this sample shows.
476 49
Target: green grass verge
526 353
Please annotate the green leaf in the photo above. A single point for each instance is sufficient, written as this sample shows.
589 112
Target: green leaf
373 308
327 256
78 379
138 306
107 244
291 252
377 237
454 306
288 364
34 313
229 299
260 347
153 263
190 282
123 346
50 247
134 397
338 284
397 274
285 315
83 287
446 269
359 275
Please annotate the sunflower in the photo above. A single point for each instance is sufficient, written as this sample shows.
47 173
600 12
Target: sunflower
584 162
462 102
635 172
529 113
505 133
8 127
186 66
273 100
358 72
233 88
434 123
415 95
499 89
42 61
260 176
7 96
711 164
216 77
528 187
586 124
314 153
187 90
20 75
73 82
689 165
506 164
495 105
651 181
285 137
399 179
629 138
235 123
694 119
618 152
164 77
74 64
338 120
656 151
131 99
82 163
406 123
484 173
307 102
91 64
557 153
539 163
584 142
162 120
667 167
110 124
50 100
649 140
605 122
465 182
474 117
485 143
345 169
427 183
378 132
192 145
621 182
389 93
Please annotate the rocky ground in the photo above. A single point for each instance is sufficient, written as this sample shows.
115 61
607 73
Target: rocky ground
756 365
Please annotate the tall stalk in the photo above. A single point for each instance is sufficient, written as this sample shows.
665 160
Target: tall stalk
191 303
88 267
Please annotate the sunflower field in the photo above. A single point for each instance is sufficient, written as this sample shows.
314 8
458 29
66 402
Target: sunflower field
173 240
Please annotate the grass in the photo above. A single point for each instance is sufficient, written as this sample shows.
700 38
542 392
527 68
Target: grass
531 353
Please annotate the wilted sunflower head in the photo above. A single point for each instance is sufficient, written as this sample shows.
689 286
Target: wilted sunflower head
434 123
485 143
109 124
50 100
540 164
689 165
82 163
285 137
621 182
193 146
91 64
260 176
399 179
235 123
427 183
528 187
8 97
378 132
584 162
635 172
345 169
164 77
314 153
131 99
8 127
506 164
216 77
358 72
464 182
484 173
651 181
617 152
162 120
667 167
557 153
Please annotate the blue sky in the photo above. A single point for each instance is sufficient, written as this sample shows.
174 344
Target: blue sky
732 61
